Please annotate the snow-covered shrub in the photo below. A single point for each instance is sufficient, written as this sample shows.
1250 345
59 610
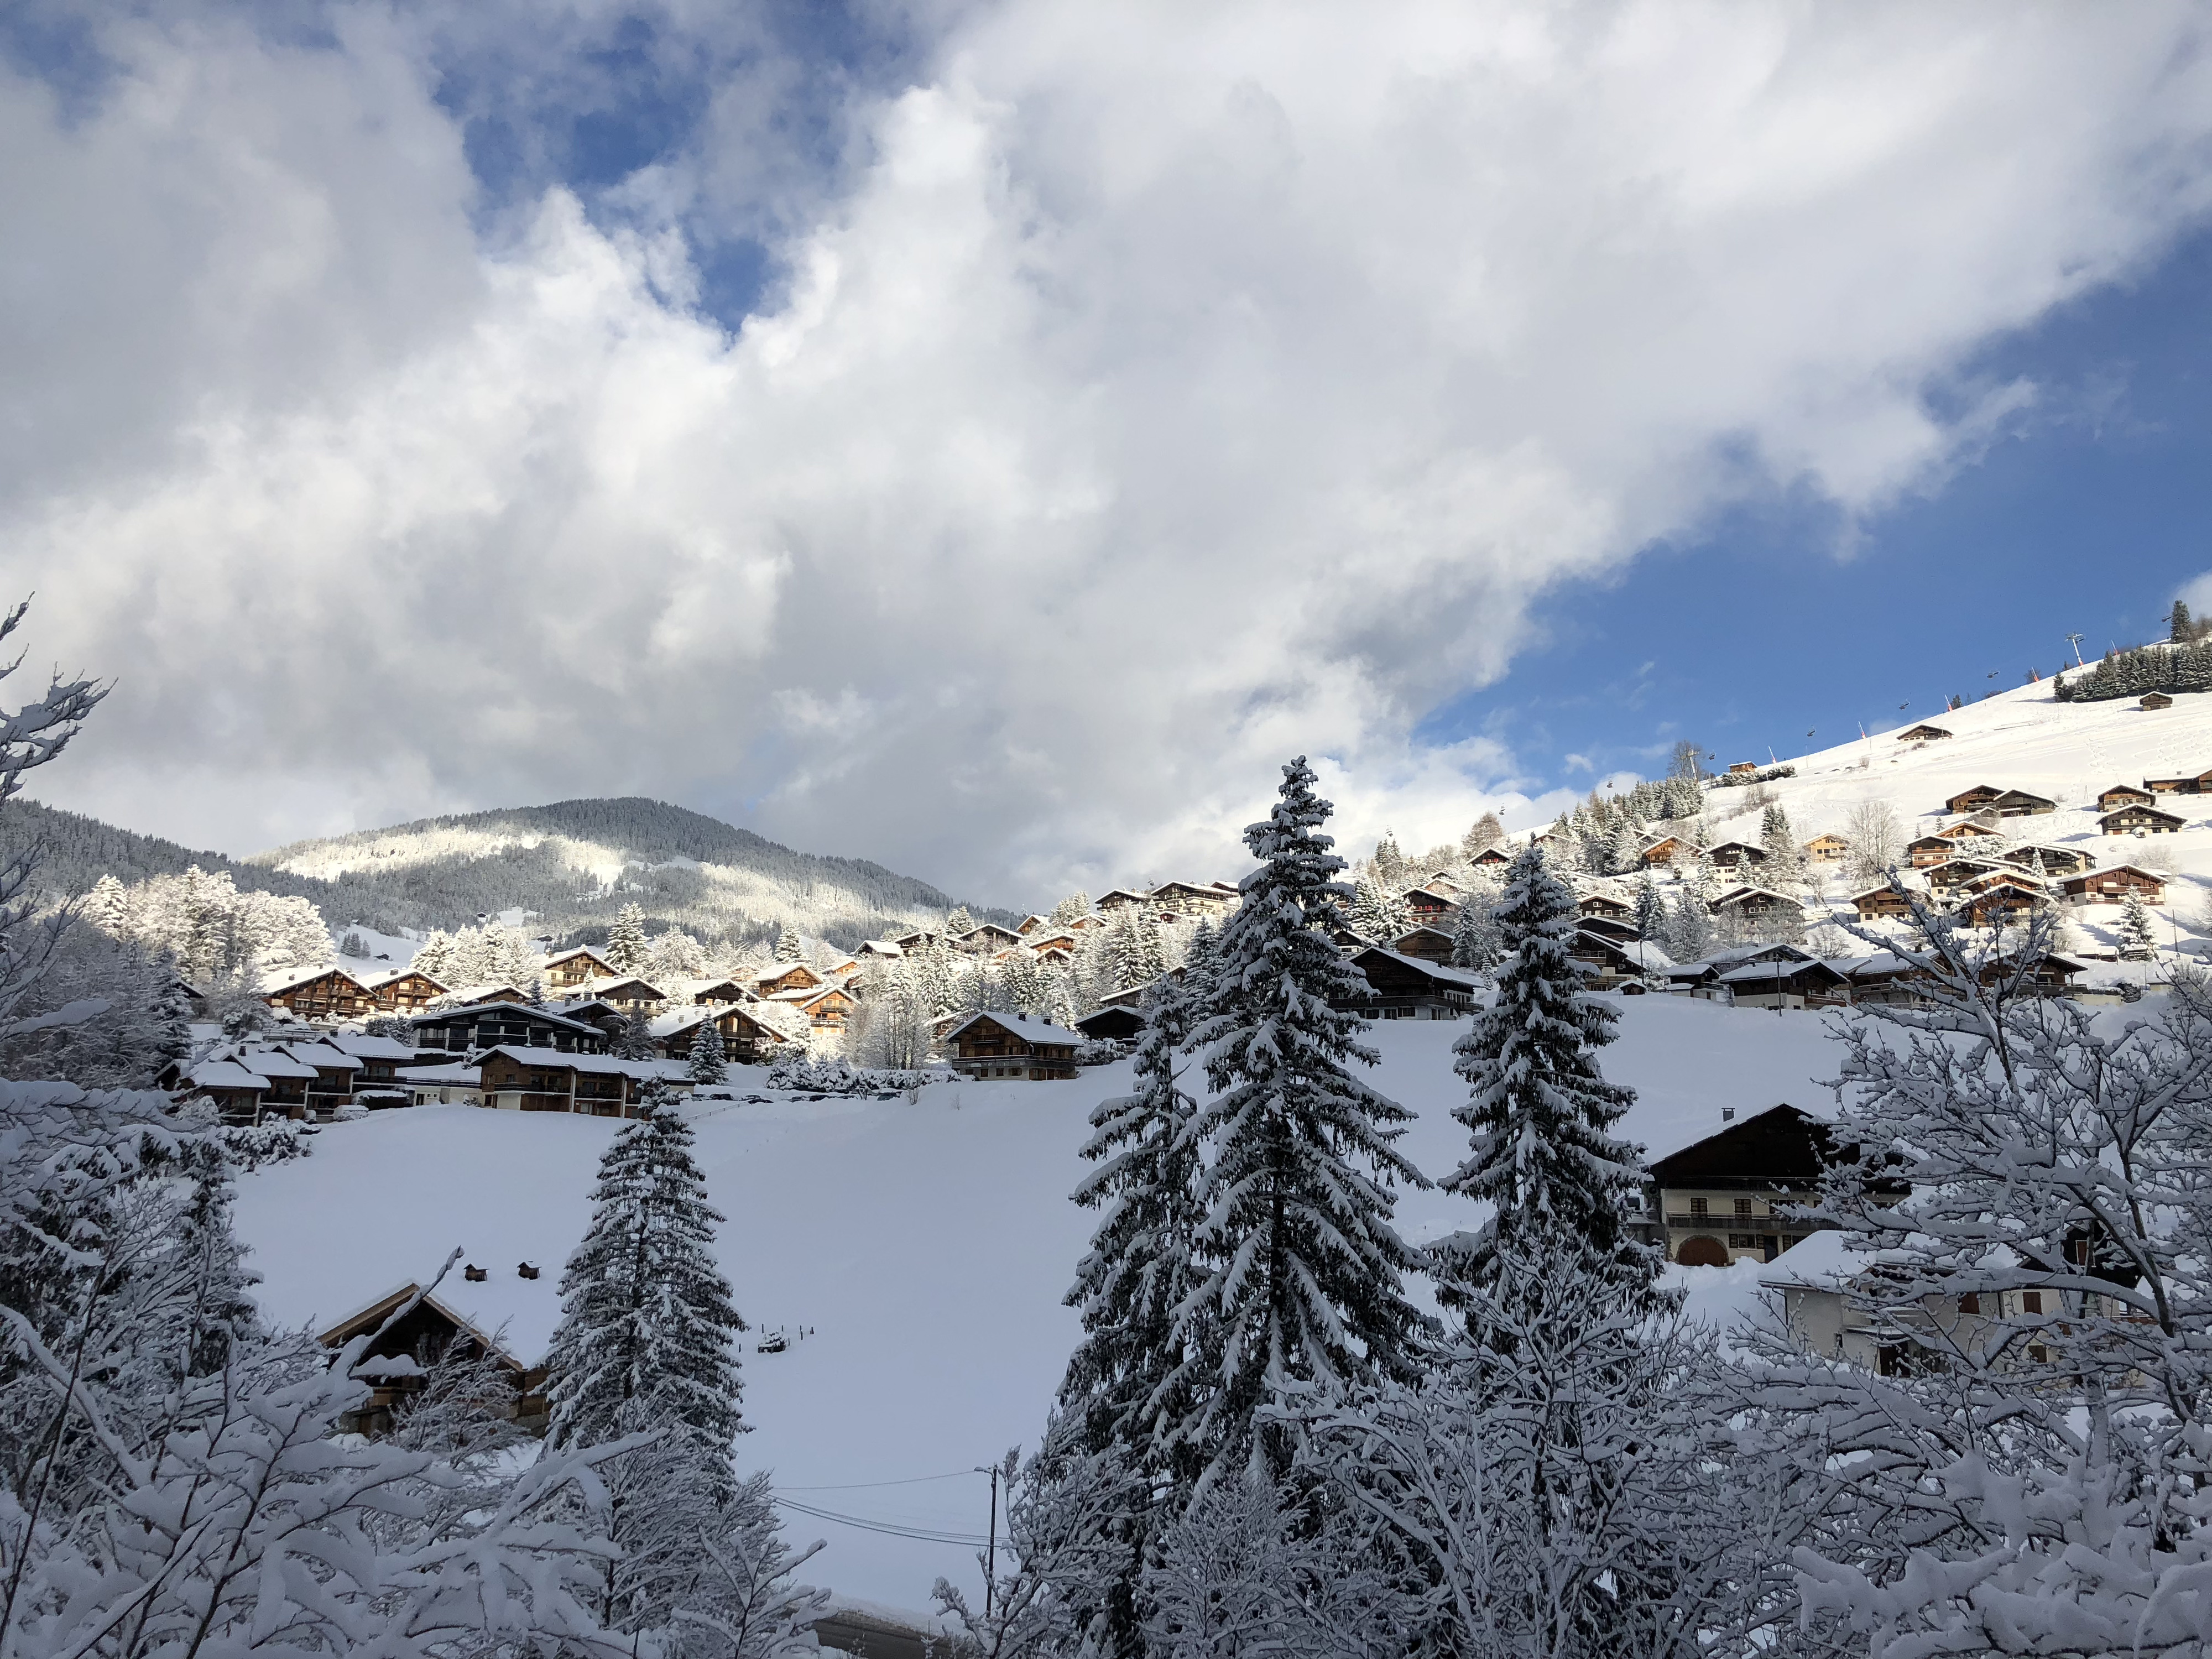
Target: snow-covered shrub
274 1140
1100 1051
841 1077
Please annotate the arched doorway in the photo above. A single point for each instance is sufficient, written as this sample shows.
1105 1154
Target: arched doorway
1703 1250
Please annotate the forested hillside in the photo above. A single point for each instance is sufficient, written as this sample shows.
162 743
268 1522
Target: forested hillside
574 863
79 851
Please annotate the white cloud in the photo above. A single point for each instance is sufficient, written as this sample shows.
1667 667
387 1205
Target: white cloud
1164 391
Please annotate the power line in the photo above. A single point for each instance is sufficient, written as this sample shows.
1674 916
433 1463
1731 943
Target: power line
891 1529
857 1486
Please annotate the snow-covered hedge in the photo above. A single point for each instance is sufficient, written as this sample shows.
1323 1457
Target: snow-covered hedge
276 1141
838 1077
1738 780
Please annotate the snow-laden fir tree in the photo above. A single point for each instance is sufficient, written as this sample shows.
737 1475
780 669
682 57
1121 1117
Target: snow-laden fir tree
1071 909
1689 933
1376 912
1651 910
434 957
1540 1112
1303 1273
1477 944
1785 859
633 1039
1133 953
647 1325
1389 864
959 921
788 947
708 1064
626 952
1625 848
2138 933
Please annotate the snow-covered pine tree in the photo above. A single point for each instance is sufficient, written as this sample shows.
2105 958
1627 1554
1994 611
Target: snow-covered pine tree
634 1039
788 946
1476 941
1376 913
1071 909
1689 933
648 1329
1130 1381
2181 628
2138 933
1624 846
1785 859
1540 1112
626 952
1651 910
434 957
1389 864
709 1063
959 921
1304 1275
353 945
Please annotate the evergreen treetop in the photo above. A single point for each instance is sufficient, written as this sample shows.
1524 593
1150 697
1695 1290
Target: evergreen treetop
626 952
788 946
1539 1110
709 1062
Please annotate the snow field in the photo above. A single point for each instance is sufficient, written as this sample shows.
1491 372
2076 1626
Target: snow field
926 1246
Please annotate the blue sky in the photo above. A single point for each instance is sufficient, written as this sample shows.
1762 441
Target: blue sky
989 439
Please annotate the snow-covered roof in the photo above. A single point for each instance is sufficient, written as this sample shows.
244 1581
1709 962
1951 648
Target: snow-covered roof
1434 969
1031 1031
1822 1261
376 981
560 1060
574 952
493 1341
324 1056
364 1047
1753 972
310 976
225 1074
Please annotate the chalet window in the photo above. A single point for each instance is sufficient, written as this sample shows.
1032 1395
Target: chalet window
1743 1206
2031 1301
1970 1303
1698 1208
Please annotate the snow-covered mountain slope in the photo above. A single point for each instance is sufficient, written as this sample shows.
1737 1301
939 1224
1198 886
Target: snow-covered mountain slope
574 862
926 1245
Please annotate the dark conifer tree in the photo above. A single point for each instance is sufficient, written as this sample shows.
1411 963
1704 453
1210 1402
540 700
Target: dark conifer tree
710 1060
1541 1112
1304 1273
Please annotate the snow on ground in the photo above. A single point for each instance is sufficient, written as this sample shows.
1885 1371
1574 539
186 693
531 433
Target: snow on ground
925 1247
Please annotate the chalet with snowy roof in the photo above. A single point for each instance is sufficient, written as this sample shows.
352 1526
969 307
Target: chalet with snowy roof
2155 701
411 1332
546 1080
481 1025
1492 858
1113 1024
2039 860
1430 943
1736 855
2001 900
287 1078
1613 927
986 937
2122 794
2199 785
920 939
1739 768
1830 848
1664 851
1730 1197
751 1033
1782 983
2047 974
1120 898
1603 904
715 992
1923 733
1931 849
326 994
1191 900
878 950
408 991
236 1091
1623 963
1011 1046
827 1007
2116 885
331 1087
1957 872
470 995
788 977
378 1083
633 995
1756 903
580 966
2141 821
1426 904
1703 975
1882 903
1974 799
1400 986
2020 804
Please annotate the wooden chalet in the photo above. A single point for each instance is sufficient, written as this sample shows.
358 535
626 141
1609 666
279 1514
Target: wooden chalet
788 977
379 1082
1974 799
288 1079
1958 872
1609 928
2114 886
2199 785
407 992
1011 1046
1728 1197
1930 850
1492 858
1190 900
1882 903
920 939
2038 860
717 991
1664 851
1781 983
827 1008
1703 977
2020 804
1923 733
328 993
1408 987
749 1035
2048 975
986 937
1114 1025
1030 924
1756 902
1739 768
2141 821
331 1088
1120 898
2001 899
580 966
2122 794
1603 904
1427 904
546 1080
1624 963
415 1341
236 1091
632 995
2155 700
1736 855
1830 848
1429 943
489 1024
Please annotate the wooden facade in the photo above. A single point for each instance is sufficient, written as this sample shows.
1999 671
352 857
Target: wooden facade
2050 861
1730 1196
1974 799
421 1337
1191 900
1923 733
1426 904
789 977
1429 943
1491 858
1116 1025
1408 987
544 1080
1755 901
1736 855
1601 904
2141 821
407 992
2122 794
2020 804
747 1038
1827 849
489 1024
1008 1048
332 993
2115 886
631 994
2199 785
1930 850
1883 904
1664 851
580 966
2155 700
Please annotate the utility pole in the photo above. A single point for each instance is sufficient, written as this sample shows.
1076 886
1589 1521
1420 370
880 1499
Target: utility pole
990 1555
2075 640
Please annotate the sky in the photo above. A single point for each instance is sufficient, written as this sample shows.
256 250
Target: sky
990 439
